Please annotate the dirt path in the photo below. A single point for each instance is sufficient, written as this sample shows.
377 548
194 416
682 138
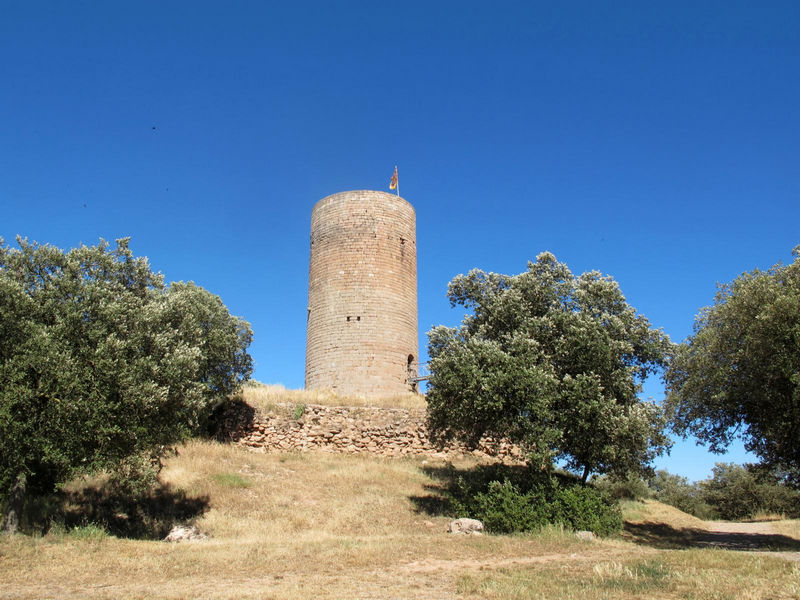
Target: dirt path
757 528
752 537
759 537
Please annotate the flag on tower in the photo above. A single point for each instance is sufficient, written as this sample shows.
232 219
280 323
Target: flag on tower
393 181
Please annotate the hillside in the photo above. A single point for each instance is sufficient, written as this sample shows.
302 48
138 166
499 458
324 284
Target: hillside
324 525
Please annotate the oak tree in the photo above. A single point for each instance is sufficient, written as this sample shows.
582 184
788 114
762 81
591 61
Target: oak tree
738 374
552 361
100 361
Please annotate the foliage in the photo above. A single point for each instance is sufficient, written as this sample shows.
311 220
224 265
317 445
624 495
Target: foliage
740 492
101 363
528 503
552 361
135 475
739 372
503 508
678 492
629 487
733 492
299 411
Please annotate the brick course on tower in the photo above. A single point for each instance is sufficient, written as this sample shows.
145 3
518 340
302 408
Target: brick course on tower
362 294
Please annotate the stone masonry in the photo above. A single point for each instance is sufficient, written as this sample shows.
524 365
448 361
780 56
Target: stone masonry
343 429
362 296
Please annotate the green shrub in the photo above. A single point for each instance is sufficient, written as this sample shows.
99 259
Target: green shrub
504 509
631 487
678 492
583 507
528 503
136 475
743 491
732 492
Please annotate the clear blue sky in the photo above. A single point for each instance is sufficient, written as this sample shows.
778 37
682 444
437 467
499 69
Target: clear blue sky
655 142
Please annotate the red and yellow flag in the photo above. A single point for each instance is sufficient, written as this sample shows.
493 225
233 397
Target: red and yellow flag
393 181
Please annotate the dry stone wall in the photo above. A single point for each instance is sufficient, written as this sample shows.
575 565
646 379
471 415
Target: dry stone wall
372 430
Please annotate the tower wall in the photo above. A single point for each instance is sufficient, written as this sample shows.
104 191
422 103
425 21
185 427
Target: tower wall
362 294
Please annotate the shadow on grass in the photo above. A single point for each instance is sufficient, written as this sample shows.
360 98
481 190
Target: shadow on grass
436 503
663 536
148 516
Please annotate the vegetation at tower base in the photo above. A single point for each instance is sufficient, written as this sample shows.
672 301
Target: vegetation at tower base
552 361
101 363
738 374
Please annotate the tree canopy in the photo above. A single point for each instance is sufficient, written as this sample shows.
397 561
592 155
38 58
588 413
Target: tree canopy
100 361
552 361
738 374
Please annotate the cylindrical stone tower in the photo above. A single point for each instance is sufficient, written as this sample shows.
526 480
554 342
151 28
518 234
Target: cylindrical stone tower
362 294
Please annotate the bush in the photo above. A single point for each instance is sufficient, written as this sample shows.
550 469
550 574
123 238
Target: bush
742 492
678 492
582 507
632 487
504 509
528 503
733 492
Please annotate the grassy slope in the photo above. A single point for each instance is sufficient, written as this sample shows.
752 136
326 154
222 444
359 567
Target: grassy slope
267 397
331 526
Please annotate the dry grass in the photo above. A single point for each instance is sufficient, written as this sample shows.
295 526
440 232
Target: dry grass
338 526
288 525
651 511
276 398
697 574
788 527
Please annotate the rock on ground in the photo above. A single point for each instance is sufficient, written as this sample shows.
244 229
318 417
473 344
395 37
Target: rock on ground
465 527
183 533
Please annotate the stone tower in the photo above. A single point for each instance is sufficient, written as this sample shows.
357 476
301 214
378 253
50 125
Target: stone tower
362 294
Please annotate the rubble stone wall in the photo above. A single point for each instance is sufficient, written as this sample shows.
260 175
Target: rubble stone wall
372 430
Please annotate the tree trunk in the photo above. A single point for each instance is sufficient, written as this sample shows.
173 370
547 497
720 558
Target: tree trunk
586 472
16 502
